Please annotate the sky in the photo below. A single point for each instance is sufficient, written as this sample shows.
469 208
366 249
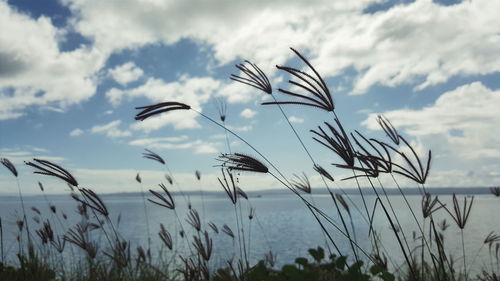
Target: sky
73 71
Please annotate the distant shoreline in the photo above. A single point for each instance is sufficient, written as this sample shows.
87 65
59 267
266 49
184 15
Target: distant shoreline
316 191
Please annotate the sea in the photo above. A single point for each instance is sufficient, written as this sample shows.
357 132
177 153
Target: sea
280 224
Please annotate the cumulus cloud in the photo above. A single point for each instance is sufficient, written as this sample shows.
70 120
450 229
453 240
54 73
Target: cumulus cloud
388 47
126 73
194 91
463 121
76 132
294 119
33 70
111 130
248 113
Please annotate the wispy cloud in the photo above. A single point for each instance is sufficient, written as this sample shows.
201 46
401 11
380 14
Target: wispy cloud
244 128
176 143
295 119
248 113
76 132
111 130
149 141
19 155
126 73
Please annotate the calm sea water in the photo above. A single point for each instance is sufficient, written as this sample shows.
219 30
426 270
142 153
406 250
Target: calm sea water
282 224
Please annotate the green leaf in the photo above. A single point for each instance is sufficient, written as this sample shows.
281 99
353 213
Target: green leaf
302 261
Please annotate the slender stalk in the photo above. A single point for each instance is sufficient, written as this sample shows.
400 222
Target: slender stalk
422 250
463 252
243 140
227 137
28 233
1 241
393 226
243 235
249 236
186 199
238 230
202 193
362 196
309 206
394 214
146 215
345 226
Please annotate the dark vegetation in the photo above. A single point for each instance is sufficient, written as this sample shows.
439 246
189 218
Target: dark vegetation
44 242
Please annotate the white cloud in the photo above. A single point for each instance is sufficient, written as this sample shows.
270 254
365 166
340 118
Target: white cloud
238 93
245 128
248 113
150 141
76 132
33 70
463 122
421 43
192 91
111 130
297 120
126 73
176 143
18 156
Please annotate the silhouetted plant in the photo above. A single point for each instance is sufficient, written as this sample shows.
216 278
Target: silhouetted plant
242 162
301 183
167 202
255 77
389 129
312 85
152 110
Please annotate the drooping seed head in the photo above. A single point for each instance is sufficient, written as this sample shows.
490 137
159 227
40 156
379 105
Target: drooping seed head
315 92
254 77
342 202
155 109
429 205
460 214
6 162
153 156
495 191
337 141
167 202
301 183
227 231
388 128
213 227
323 172
48 168
194 219
242 162
165 237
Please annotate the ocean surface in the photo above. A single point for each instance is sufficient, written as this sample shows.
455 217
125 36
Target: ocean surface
281 224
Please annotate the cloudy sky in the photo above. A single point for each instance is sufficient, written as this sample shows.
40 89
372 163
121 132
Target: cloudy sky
72 71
